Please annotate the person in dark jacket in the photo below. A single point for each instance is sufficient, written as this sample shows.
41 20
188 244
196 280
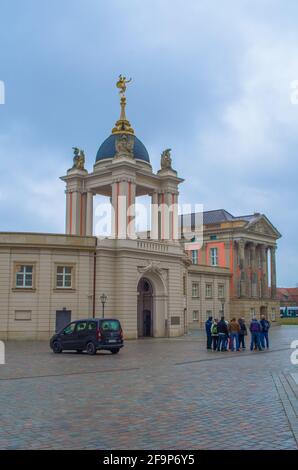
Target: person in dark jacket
265 325
223 333
214 334
255 330
208 325
242 333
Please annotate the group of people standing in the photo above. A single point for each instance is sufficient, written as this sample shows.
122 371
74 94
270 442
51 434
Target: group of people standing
223 335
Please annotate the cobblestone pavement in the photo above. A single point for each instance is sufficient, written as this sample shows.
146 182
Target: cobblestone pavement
156 394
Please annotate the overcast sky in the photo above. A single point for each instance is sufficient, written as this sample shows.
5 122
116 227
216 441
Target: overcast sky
211 79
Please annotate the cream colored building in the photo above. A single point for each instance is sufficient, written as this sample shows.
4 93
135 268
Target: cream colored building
150 283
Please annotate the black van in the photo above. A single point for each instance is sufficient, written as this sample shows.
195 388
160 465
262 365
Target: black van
89 335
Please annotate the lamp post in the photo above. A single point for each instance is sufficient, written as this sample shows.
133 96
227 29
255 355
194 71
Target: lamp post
103 299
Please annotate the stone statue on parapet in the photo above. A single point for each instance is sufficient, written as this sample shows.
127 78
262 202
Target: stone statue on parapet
78 159
121 84
166 160
124 146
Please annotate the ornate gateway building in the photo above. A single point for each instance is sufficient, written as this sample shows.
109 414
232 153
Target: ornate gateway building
153 283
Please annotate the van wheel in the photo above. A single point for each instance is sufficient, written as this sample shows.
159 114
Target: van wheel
90 348
57 347
115 351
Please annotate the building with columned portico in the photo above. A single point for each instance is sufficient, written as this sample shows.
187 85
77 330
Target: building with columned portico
156 284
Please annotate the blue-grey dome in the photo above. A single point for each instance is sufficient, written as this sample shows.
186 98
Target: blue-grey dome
107 149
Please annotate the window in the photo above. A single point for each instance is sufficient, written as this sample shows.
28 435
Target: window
209 291
214 256
110 325
92 326
221 291
64 277
252 312
194 256
273 314
69 329
24 277
195 315
213 237
81 326
195 289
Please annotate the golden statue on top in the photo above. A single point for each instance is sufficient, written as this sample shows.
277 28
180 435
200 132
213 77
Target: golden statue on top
122 126
78 159
121 84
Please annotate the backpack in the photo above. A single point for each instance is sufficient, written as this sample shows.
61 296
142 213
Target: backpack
255 327
214 329
266 325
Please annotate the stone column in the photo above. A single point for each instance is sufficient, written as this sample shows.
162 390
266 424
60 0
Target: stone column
74 212
123 208
168 208
264 270
235 269
67 215
254 269
169 215
175 223
241 247
131 201
273 272
162 215
114 202
89 214
154 216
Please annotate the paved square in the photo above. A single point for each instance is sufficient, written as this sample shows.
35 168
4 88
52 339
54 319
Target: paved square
156 394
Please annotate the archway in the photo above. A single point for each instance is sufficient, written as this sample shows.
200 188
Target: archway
152 314
145 308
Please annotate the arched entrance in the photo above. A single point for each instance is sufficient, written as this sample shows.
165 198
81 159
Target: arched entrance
145 308
152 311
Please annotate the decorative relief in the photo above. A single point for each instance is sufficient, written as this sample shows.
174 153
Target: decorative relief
153 267
124 146
262 228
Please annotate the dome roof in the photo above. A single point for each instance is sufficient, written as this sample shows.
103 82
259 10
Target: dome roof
108 150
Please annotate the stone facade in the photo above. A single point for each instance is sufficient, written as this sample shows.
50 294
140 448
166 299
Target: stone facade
203 301
30 312
114 267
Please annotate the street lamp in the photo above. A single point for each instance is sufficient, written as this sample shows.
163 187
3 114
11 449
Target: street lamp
103 299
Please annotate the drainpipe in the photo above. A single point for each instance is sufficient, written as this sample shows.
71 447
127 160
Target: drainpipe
94 278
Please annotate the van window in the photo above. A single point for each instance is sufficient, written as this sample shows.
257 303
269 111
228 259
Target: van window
92 326
81 326
110 325
69 329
